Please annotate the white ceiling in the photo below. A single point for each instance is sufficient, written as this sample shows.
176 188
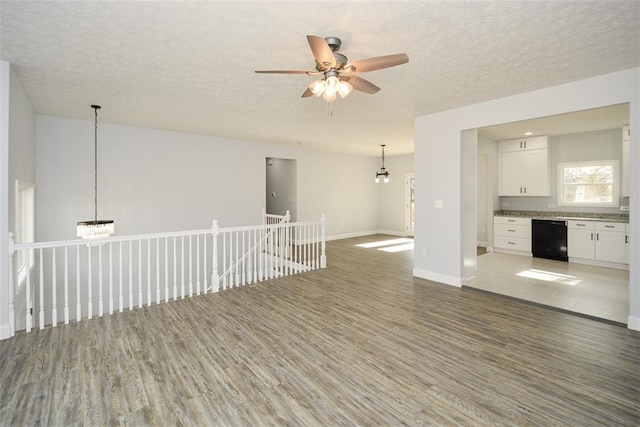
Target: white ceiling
188 65
610 117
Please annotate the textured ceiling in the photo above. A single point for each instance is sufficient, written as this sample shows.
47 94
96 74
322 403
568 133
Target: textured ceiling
188 65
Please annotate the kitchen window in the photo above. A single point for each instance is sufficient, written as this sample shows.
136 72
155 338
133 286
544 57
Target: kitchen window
589 184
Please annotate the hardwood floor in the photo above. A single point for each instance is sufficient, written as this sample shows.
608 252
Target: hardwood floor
360 343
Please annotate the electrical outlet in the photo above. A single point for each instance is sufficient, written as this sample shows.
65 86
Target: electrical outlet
438 204
624 208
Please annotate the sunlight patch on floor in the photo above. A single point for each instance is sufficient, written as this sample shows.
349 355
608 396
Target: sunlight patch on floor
549 276
380 243
398 248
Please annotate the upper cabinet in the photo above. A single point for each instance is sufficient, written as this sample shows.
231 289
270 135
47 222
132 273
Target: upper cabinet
626 136
524 167
523 144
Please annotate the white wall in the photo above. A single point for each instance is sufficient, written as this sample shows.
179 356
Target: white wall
488 148
153 181
5 328
17 154
439 250
391 219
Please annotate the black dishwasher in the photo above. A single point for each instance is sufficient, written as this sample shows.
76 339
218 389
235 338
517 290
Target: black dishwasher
549 239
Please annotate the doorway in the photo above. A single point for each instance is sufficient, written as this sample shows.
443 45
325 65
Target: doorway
591 290
410 203
281 187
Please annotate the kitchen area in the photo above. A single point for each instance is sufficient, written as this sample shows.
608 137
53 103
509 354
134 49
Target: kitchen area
553 212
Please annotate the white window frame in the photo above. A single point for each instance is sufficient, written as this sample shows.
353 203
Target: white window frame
615 190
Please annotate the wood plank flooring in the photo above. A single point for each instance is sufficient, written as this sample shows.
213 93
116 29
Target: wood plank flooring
360 343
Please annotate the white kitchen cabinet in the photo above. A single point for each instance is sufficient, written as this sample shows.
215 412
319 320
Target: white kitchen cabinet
626 136
524 171
512 235
626 239
521 144
581 239
597 241
611 243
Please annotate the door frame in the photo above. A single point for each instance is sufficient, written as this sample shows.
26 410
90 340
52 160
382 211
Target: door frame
409 204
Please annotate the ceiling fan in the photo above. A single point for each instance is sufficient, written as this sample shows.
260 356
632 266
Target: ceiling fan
339 76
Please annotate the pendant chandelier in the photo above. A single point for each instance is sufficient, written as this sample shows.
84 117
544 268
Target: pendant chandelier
95 228
383 171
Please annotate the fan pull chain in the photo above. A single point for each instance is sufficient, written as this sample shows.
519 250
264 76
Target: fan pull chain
329 108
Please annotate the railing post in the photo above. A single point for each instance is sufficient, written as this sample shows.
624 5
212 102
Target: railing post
264 216
12 271
287 216
214 262
323 255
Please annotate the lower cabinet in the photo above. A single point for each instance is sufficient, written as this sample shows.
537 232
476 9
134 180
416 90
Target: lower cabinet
512 234
599 241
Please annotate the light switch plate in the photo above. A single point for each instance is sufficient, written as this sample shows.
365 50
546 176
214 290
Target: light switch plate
438 204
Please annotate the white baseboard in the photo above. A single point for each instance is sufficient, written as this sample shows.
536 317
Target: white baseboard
633 323
605 264
392 233
440 278
5 332
364 233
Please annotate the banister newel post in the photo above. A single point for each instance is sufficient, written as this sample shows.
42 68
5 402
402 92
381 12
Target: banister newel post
214 262
323 255
12 285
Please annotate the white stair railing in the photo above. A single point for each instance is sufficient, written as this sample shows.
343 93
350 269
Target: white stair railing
257 247
268 219
72 280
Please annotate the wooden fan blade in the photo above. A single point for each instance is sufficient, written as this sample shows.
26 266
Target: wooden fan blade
377 63
361 84
321 51
307 93
311 73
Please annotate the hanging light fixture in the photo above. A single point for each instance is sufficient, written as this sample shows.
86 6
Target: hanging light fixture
95 228
329 87
383 171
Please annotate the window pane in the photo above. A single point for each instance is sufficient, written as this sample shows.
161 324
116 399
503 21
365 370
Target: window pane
588 193
589 174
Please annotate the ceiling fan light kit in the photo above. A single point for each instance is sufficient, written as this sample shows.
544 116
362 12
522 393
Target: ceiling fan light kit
329 87
338 74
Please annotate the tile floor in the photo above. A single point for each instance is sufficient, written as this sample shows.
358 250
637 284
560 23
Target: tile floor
594 291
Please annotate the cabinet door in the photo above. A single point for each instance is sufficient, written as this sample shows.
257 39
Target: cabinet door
519 144
511 145
611 246
510 174
581 243
535 173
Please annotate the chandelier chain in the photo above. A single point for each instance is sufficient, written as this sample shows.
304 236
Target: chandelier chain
95 163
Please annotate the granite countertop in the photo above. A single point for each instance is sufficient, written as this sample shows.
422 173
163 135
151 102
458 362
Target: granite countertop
615 217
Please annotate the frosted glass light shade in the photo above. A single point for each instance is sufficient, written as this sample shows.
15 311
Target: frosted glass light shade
317 87
344 88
